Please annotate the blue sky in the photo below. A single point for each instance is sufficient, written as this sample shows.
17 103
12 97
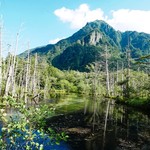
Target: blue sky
45 21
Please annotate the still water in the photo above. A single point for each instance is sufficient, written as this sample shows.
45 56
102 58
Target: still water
98 124
112 126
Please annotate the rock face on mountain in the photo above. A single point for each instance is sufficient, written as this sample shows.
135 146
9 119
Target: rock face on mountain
92 39
88 44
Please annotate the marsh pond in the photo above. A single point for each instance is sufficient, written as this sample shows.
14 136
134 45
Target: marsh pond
99 124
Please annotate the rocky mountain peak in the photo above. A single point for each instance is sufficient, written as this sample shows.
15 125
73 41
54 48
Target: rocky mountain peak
80 49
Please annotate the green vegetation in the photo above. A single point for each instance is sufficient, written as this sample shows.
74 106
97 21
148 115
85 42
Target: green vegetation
23 126
96 61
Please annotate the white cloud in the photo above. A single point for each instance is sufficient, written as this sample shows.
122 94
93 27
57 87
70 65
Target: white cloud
80 16
54 41
125 19
122 19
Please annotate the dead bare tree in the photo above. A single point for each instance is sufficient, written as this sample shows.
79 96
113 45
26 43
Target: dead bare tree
117 77
14 67
27 76
8 75
107 72
34 79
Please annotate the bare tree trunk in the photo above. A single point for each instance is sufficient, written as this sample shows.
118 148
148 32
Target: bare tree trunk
112 83
122 74
20 84
46 88
127 93
117 79
9 56
27 76
30 78
23 82
107 72
14 77
3 69
122 77
34 81
38 85
35 73
8 74
14 67
8 79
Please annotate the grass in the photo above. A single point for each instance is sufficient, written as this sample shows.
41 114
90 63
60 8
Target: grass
137 102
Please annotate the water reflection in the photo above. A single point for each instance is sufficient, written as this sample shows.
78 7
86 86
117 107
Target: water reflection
113 126
118 126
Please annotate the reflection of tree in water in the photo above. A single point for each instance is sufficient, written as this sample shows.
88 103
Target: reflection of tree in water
130 125
105 125
115 126
94 111
95 118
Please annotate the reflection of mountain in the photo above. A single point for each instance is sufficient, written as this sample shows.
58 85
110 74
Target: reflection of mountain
86 45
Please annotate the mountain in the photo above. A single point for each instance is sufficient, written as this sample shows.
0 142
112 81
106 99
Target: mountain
88 44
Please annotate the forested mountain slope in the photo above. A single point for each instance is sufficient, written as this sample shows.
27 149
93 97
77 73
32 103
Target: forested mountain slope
88 45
